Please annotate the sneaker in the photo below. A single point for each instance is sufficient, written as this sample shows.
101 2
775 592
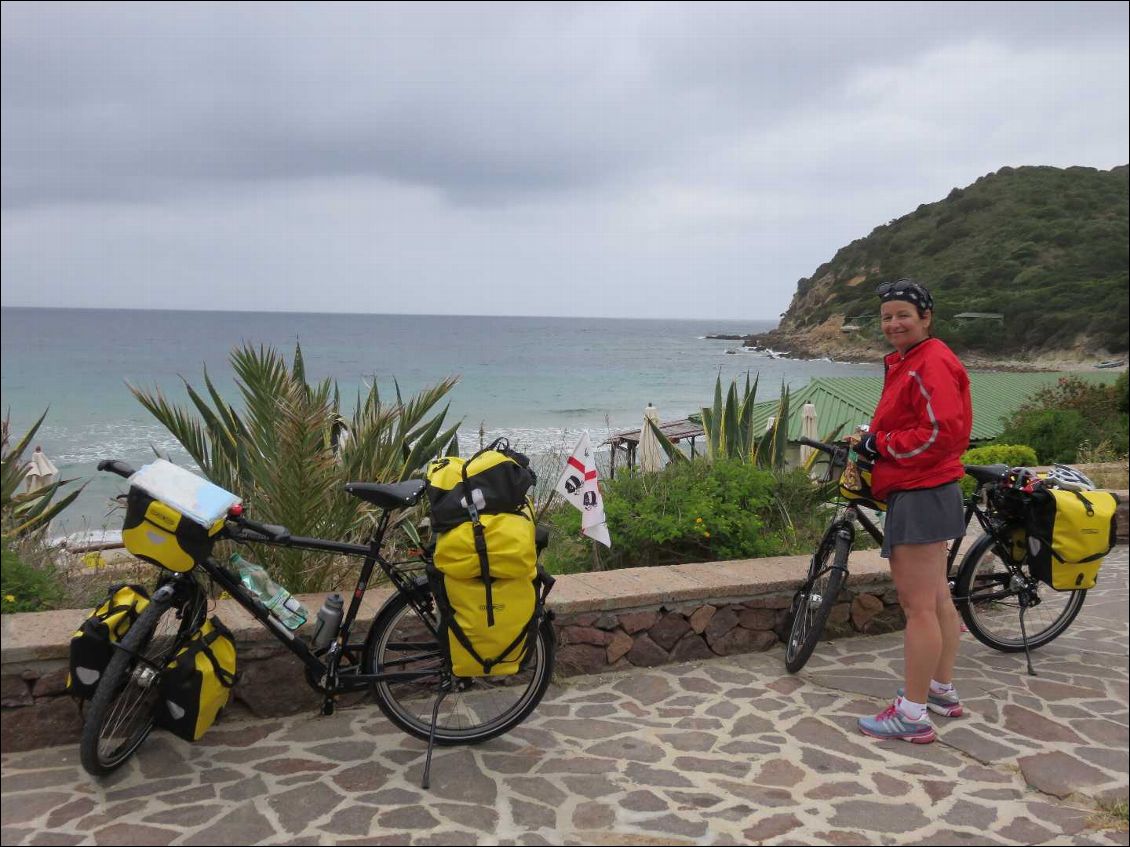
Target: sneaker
891 723
947 705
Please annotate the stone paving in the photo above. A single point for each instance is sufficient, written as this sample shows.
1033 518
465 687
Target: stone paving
722 751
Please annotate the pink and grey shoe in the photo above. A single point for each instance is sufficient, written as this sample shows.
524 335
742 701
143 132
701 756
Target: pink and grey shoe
947 705
891 723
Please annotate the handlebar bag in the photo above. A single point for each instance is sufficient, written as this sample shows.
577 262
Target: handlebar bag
92 645
196 683
159 534
483 572
855 483
1069 535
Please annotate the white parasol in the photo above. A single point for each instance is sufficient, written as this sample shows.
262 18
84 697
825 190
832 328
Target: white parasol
650 453
808 430
41 471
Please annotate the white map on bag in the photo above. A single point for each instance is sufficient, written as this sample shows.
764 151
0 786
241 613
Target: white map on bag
193 496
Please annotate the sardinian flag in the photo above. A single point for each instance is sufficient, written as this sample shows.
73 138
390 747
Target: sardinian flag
578 485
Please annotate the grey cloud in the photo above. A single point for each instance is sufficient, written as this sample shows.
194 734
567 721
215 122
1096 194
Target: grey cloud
482 103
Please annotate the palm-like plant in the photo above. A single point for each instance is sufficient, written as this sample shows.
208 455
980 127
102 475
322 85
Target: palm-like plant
28 512
290 451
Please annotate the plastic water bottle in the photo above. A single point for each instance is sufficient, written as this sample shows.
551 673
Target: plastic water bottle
328 621
278 600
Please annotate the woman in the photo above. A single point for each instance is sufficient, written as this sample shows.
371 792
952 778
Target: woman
920 429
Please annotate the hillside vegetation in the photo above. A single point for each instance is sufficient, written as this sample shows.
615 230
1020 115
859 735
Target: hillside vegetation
1048 248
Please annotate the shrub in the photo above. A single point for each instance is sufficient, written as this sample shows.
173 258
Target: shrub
694 512
1055 434
1058 420
1013 455
25 587
690 512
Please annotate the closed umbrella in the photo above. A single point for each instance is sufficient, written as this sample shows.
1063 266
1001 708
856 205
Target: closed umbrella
808 430
41 471
651 454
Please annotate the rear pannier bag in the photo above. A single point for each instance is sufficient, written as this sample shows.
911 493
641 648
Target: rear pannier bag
158 533
196 683
484 572
1069 533
92 645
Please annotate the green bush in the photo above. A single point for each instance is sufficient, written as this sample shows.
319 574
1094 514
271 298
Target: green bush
1058 420
23 587
694 512
1013 455
1055 434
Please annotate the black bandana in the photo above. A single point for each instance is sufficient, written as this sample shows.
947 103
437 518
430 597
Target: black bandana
906 289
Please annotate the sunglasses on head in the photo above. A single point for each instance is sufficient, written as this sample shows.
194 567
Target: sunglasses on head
886 288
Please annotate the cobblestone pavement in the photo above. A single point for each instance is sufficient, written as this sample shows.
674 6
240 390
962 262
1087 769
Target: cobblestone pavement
723 751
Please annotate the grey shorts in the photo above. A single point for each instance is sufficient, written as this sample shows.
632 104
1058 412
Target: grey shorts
923 516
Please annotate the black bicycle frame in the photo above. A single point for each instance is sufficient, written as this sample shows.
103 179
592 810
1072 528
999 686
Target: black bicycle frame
327 669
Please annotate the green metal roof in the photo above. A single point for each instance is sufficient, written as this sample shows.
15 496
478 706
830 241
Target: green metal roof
851 400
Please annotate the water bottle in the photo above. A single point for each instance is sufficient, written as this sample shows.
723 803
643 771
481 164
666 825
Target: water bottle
277 599
328 621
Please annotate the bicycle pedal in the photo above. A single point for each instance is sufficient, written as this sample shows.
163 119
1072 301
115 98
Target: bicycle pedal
328 706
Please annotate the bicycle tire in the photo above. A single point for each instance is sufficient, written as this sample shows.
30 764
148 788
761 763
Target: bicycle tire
120 715
989 601
474 710
813 604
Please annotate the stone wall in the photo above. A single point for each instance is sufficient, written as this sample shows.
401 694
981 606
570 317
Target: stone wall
595 642
608 621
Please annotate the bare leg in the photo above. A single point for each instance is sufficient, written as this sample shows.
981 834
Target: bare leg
950 624
917 570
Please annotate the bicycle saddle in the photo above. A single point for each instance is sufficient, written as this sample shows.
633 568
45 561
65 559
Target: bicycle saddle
987 473
396 495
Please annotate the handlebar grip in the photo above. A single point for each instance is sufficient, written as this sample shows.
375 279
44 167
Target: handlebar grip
115 466
819 445
272 532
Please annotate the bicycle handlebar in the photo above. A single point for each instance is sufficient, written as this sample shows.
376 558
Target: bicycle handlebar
115 466
819 445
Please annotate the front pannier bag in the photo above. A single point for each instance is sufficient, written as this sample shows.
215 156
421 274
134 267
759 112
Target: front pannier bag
92 645
484 572
197 682
1069 534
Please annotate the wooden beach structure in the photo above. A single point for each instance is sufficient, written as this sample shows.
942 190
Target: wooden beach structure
627 443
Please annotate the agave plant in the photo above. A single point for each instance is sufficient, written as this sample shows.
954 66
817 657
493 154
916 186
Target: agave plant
290 450
24 513
729 432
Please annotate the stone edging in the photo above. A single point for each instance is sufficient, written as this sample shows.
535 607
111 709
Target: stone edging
607 620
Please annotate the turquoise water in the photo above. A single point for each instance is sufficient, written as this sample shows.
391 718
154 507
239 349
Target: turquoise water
538 380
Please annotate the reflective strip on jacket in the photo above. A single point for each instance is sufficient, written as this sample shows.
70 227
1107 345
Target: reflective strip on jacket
923 420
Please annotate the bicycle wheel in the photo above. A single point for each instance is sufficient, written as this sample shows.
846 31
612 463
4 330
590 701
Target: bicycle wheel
473 710
813 603
120 715
989 595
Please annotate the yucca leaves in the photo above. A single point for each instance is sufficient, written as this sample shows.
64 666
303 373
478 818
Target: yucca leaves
290 450
23 513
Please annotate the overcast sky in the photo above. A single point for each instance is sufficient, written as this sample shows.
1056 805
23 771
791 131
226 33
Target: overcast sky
651 160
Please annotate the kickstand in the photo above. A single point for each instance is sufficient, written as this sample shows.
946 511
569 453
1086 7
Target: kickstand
431 740
1024 635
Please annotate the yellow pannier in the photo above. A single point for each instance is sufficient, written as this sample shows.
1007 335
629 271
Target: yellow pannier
1069 535
197 682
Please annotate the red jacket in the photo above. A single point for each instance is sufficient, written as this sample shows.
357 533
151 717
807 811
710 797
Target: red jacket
923 420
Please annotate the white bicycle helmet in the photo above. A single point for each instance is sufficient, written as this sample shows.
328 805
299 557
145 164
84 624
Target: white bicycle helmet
1069 479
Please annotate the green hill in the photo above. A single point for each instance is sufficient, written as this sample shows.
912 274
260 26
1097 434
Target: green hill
1048 248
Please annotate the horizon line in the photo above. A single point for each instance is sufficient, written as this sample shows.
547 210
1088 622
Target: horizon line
372 314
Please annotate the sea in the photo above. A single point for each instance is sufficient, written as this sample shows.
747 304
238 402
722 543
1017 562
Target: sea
540 381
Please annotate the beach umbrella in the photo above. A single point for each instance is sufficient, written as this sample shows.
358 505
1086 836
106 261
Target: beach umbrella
650 453
41 471
808 430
